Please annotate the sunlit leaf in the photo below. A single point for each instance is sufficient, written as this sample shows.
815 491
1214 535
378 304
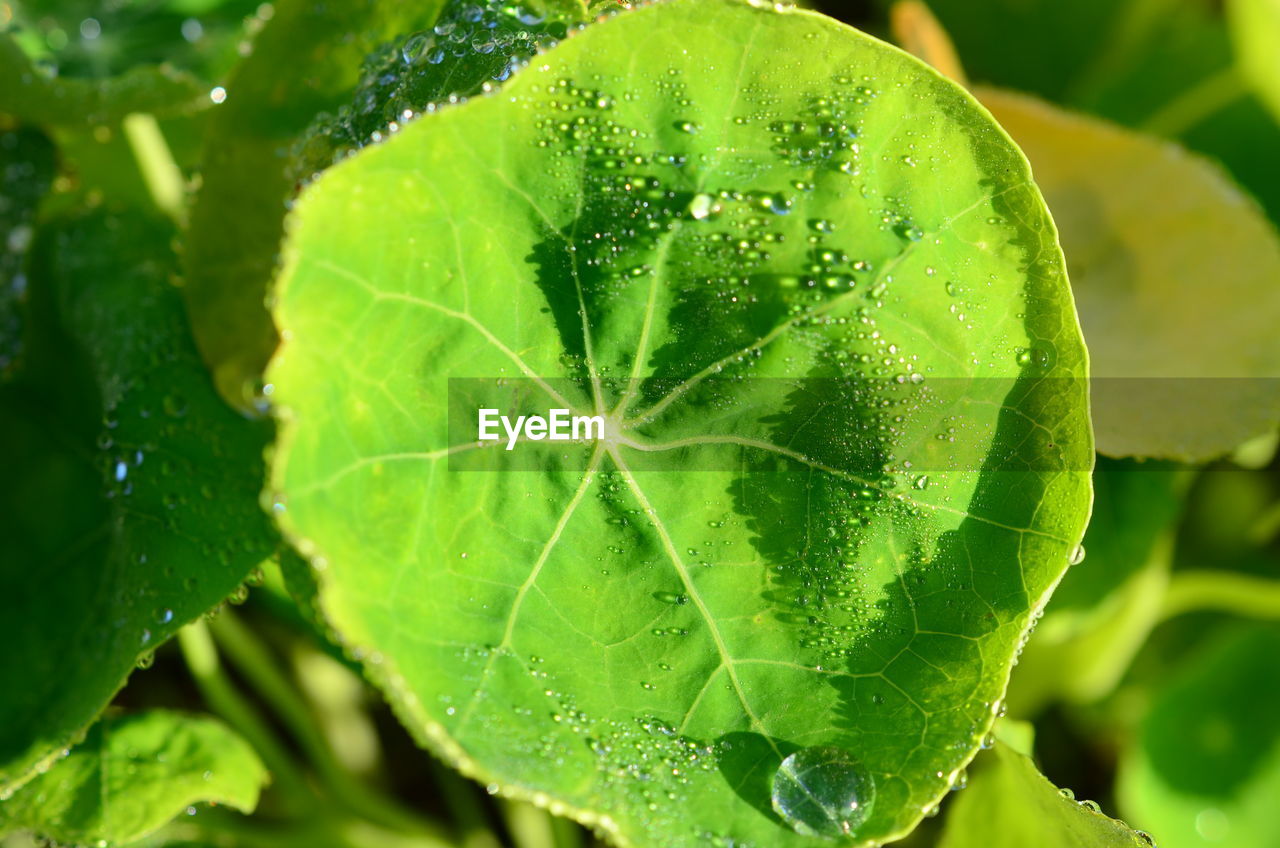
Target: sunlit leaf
811 286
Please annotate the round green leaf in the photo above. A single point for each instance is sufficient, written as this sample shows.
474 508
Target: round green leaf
811 287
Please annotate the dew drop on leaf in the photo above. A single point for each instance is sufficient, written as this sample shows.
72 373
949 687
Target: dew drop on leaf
823 791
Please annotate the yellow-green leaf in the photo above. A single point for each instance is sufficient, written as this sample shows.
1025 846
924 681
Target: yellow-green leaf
1176 274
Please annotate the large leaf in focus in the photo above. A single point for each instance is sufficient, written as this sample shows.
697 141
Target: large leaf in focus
1174 272
131 774
811 285
131 505
1255 29
1205 770
30 95
310 89
1107 603
1009 804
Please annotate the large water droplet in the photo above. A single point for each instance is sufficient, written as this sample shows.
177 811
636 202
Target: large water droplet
823 792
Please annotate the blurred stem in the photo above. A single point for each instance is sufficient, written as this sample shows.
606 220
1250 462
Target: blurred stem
202 660
261 670
568 833
1267 527
529 826
317 832
155 161
463 802
1194 105
1134 25
1222 591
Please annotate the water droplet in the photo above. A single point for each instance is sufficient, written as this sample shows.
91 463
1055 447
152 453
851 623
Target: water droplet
1077 556
823 792
671 598
702 207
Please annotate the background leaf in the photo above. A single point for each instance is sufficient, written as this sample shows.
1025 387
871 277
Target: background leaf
322 83
1206 768
112 419
27 167
1106 605
131 775
1008 804
1174 273
32 96
626 647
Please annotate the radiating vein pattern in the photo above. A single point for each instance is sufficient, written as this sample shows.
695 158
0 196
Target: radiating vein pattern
664 236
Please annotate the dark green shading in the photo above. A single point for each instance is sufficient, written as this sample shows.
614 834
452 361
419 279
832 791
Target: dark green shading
1040 46
28 162
201 38
1134 503
321 83
470 44
1214 725
133 499
1124 61
32 96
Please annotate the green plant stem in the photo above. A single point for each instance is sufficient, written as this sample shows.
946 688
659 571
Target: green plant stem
261 670
1132 27
318 832
1222 591
202 660
1267 527
529 826
1196 104
568 833
159 171
460 796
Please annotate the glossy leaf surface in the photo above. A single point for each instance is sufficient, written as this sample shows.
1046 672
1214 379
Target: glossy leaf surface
813 291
